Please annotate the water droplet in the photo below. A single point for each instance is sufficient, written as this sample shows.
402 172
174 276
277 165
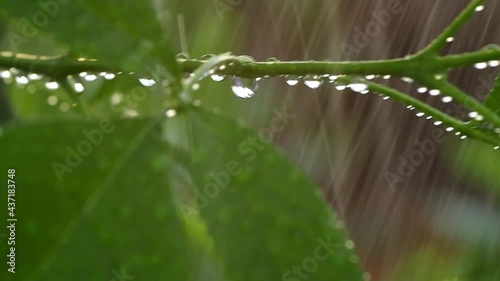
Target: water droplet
349 244
332 78
171 113
34 76
182 56
52 85
407 79
195 87
479 8
5 74
386 98
207 56
438 76
52 100
434 92
217 78
370 77
479 118
450 129
463 137
494 63
437 123
386 77
446 99
292 80
481 65
497 130
420 114
450 39
109 76
147 82
244 88
340 87
458 134
422 90
313 83
79 87
358 87
473 114
83 74
22 80
222 67
496 147
90 77
428 117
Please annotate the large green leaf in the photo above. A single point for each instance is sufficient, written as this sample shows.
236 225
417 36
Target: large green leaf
267 220
493 99
120 33
92 201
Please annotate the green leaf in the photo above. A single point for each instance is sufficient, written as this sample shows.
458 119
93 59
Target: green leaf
123 34
265 216
92 199
493 99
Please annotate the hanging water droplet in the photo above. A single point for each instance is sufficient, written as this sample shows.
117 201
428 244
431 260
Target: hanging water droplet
195 87
170 113
22 80
494 63
386 98
450 129
370 77
428 117
333 78
340 87
473 114
437 123
457 133
90 77
182 56
434 92
463 137
5 74
147 82
420 114
479 118
496 147
292 80
34 76
358 87
82 74
79 87
481 65
52 85
450 39
244 88
207 56
446 99
222 67
386 77
407 79
422 90
438 76
313 83
217 78
109 76
479 8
